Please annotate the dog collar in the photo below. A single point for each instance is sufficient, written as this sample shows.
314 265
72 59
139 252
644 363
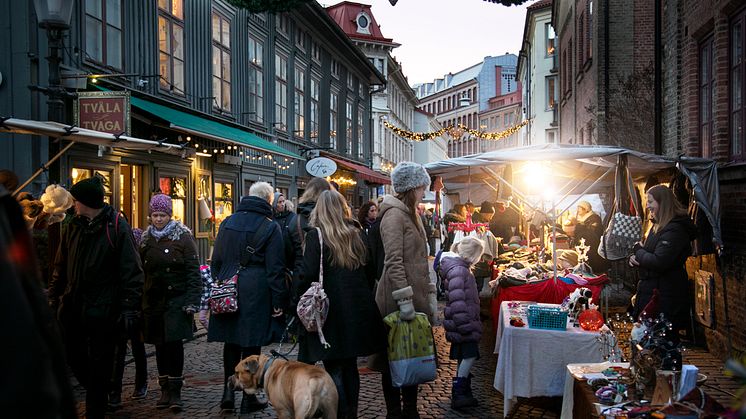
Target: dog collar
264 371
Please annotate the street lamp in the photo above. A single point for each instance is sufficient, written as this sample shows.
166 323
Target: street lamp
54 17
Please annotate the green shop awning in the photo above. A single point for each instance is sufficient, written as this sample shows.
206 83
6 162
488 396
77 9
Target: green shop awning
207 128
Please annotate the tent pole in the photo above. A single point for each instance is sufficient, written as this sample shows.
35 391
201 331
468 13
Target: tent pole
43 168
571 181
591 186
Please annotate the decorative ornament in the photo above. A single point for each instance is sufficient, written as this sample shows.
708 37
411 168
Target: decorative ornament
466 227
455 131
591 319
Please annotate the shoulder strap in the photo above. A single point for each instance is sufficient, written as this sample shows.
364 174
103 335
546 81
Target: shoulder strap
300 232
254 242
321 264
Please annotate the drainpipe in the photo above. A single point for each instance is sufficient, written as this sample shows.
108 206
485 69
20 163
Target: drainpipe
371 130
606 68
658 80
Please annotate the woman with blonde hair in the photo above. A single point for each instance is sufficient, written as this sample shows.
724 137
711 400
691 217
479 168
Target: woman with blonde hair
353 326
662 257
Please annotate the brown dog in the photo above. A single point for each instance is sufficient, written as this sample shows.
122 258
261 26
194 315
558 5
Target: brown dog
296 390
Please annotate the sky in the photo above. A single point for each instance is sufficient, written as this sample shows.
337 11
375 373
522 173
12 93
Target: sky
442 36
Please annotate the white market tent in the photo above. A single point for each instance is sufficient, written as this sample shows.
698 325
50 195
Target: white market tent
576 169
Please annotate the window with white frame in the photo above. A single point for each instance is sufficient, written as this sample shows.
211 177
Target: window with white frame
103 30
281 92
300 99
360 137
283 24
314 117
550 39
301 38
315 51
171 45
256 80
335 68
551 87
348 125
333 126
221 61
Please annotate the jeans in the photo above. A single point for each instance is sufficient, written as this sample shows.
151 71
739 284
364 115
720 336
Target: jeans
346 378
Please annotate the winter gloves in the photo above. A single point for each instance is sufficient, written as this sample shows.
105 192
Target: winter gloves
403 298
406 309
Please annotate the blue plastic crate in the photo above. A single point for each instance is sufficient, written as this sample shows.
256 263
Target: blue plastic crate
549 318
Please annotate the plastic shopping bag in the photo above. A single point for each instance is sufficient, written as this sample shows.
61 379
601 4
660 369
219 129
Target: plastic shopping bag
411 350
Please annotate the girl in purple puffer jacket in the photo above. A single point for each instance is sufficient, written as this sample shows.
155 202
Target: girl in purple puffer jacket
461 316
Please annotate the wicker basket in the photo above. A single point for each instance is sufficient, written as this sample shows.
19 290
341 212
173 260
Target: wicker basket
549 318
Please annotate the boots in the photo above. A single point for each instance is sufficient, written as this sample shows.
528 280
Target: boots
468 389
175 384
409 402
460 394
228 401
165 399
249 403
392 396
141 389
115 401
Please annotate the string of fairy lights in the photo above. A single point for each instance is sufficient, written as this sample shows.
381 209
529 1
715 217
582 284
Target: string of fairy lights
455 131
207 148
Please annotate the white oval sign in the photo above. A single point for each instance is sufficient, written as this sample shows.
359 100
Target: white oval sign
321 167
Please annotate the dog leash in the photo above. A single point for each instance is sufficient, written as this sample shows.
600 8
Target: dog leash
278 352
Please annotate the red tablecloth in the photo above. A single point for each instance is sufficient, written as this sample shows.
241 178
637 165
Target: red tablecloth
548 291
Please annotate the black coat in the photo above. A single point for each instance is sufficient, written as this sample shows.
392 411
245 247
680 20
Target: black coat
354 326
591 229
261 285
286 221
172 282
297 230
662 266
97 271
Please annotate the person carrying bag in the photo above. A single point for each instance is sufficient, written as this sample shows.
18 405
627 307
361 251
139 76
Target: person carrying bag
625 226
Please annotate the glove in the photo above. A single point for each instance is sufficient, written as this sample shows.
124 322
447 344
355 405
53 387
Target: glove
406 309
432 301
203 318
130 319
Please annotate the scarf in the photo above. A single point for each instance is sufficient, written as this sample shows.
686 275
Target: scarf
164 232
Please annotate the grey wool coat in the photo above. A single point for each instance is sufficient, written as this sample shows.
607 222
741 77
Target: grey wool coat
172 282
405 264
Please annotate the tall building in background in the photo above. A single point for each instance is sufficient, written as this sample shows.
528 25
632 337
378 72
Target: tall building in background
395 103
538 74
482 97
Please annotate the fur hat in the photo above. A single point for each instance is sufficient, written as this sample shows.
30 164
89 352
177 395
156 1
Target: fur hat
408 175
586 205
56 200
161 203
486 208
89 192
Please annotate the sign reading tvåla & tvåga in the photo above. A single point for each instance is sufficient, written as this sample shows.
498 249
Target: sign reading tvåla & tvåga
103 111
321 167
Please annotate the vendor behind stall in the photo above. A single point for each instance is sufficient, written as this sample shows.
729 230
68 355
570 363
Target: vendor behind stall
505 221
588 226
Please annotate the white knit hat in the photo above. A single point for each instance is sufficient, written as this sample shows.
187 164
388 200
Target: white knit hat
408 175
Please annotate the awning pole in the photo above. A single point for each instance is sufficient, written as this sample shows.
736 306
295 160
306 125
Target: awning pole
43 168
588 189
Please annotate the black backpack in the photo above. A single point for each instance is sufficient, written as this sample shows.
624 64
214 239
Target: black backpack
376 253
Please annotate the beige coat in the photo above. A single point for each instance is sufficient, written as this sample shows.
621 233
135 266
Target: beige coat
405 270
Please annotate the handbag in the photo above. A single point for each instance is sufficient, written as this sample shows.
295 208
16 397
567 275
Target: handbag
313 306
223 294
411 350
623 230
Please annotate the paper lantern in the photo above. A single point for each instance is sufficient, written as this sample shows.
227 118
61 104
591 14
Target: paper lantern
204 209
591 319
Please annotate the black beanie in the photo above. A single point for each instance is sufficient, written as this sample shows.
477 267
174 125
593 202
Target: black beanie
90 192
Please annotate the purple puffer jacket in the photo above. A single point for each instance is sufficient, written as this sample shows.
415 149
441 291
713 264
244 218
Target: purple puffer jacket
461 320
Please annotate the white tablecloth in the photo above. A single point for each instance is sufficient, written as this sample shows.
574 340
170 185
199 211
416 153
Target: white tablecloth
532 362
579 370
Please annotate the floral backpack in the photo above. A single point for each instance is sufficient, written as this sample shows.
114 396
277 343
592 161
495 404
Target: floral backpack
313 306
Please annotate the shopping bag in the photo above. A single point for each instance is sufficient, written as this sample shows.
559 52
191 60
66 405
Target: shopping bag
224 296
411 350
620 236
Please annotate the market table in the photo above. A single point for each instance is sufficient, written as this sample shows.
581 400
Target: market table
532 362
579 401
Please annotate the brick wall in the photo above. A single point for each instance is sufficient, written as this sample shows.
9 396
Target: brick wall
687 24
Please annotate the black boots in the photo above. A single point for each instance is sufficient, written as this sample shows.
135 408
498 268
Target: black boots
461 395
249 403
141 387
409 402
165 399
174 386
228 401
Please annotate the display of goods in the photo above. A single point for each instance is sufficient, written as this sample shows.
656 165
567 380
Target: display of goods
591 319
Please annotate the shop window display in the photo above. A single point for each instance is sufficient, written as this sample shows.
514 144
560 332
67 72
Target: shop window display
175 187
223 202
205 217
79 174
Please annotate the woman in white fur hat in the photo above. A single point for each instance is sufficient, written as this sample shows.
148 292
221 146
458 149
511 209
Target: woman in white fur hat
405 284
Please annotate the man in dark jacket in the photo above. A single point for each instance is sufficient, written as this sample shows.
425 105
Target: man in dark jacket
97 282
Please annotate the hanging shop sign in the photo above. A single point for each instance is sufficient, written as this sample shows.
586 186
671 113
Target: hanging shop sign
103 111
321 167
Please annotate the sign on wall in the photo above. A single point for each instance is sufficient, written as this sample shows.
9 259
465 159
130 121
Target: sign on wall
321 167
103 111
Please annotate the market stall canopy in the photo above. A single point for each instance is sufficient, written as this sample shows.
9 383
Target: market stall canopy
82 135
582 164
